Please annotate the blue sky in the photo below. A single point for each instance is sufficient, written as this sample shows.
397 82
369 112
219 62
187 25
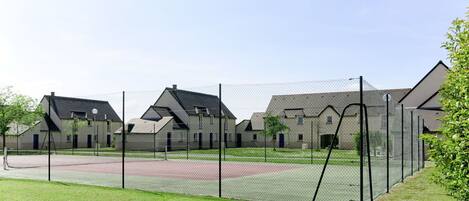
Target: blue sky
91 47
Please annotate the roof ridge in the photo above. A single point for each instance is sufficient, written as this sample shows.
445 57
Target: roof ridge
77 99
193 92
341 92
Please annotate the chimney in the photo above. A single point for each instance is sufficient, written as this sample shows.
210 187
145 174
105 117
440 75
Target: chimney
52 93
175 86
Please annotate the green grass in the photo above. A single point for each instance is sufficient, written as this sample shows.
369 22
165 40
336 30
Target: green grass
280 155
24 190
418 188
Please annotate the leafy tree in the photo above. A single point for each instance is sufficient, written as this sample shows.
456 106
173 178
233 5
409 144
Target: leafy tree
376 140
73 127
273 125
451 151
16 108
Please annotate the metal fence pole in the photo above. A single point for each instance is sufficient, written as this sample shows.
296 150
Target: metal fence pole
51 97
361 138
387 143
219 141
418 143
423 146
123 139
311 141
411 142
402 143
154 140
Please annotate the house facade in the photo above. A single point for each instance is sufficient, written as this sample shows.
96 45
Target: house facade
313 118
72 125
190 119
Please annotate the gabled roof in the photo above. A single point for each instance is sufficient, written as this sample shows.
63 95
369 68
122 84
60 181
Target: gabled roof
432 103
66 106
142 126
189 100
314 103
440 63
164 112
257 121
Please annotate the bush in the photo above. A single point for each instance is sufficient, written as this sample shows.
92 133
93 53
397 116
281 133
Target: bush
451 152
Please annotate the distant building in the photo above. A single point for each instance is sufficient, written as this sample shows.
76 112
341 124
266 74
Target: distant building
424 97
181 118
313 118
90 131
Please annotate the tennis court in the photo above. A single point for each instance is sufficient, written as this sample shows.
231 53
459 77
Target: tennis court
250 181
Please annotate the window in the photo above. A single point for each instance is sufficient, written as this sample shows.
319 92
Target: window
196 110
195 137
108 126
200 121
89 123
300 120
69 138
274 137
229 137
226 124
300 137
383 121
329 120
211 119
207 111
254 137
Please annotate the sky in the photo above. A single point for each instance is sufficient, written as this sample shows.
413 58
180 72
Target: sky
90 48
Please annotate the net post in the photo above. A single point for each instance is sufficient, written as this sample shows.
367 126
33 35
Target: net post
387 143
154 140
166 152
402 143
187 145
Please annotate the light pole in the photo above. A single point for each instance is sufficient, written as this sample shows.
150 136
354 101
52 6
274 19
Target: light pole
95 112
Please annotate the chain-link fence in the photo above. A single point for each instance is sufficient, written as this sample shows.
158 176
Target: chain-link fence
319 140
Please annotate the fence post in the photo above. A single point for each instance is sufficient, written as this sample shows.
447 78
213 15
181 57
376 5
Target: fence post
423 146
187 145
123 139
387 143
361 138
51 97
219 141
418 143
411 142
402 143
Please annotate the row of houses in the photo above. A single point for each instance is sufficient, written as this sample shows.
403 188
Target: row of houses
179 119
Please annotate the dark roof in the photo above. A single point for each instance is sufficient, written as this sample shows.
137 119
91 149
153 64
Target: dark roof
65 106
189 100
421 80
167 112
314 104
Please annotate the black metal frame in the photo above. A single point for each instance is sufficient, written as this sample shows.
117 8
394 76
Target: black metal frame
387 143
402 143
361 153
123 139
220 139
411 142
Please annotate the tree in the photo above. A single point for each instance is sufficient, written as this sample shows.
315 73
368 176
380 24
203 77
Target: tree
73 127
451 152
273 125
16 108
376 140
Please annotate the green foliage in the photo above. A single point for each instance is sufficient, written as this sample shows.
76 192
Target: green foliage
451 151
272 126
16 108
376 140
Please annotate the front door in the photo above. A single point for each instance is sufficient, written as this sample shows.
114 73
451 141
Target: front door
108 140
36 141
89 141
211 140
75 141
168 141
281 140
238 140
200 140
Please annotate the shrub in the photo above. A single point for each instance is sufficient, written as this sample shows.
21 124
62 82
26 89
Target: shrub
451 152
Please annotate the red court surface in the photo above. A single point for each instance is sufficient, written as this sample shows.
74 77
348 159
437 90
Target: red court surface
179 169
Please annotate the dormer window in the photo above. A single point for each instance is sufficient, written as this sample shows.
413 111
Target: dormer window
300 120
329 120
200 121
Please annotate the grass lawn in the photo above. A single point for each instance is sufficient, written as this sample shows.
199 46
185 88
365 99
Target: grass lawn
24 190
418 188
281 155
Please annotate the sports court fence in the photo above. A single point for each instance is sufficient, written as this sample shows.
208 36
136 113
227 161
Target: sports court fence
319 140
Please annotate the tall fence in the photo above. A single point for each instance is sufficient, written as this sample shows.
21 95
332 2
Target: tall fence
319 140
